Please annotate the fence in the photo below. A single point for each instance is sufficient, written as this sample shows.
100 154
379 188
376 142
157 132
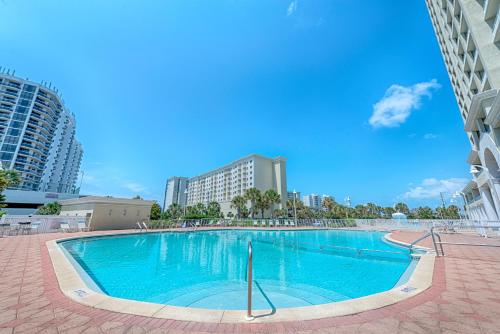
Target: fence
46 224
366 224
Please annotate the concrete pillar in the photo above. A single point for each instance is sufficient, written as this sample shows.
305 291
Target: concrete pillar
496 194
489 205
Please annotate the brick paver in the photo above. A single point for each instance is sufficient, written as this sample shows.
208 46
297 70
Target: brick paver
464 298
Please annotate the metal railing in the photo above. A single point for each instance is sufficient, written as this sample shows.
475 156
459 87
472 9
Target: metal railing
490 231
249 281
45 223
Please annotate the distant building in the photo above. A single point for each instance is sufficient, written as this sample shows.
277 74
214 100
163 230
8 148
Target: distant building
37 136
222 184
23 202
108 213
468 32
289 195
175 192
315 201
312 201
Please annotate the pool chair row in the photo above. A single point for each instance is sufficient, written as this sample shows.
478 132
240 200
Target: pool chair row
81 226
274 223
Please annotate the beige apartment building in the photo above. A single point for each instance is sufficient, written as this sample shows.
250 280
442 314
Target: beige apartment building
222 184
468 32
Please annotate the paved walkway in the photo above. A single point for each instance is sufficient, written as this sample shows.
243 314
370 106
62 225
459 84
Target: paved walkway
464 298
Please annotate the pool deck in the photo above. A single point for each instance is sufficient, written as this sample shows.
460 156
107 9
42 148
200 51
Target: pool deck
464 298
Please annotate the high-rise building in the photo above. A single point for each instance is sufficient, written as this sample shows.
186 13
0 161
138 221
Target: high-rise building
312 201
468 32
175 192
315 201
37 136
221 185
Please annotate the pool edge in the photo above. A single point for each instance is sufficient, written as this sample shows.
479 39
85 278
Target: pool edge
74 287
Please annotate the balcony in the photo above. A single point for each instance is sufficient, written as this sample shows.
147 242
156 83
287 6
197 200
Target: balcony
493 117
477 109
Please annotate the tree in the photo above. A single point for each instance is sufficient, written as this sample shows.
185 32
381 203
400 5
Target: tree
272 197
230 215
328 204
137 197
52 208
424 212
388 211
262 204
252 195
453 212
155 211
280 213
8 179
213 210
402 208
238 203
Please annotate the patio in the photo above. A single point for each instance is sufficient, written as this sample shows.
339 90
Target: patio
464 298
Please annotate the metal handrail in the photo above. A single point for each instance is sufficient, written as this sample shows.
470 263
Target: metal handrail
322 247
419 239
435 243
249 282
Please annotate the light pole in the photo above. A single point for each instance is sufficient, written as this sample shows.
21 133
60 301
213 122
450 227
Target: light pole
185 202
347 201
294 206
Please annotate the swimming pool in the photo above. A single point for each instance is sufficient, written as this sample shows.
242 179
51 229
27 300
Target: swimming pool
207 269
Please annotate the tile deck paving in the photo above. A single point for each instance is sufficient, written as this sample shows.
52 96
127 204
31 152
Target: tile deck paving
464 298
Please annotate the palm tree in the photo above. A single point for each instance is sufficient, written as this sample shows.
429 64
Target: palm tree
328 204
402 207
262 204
253 195
213 210
272 197
175 210
238 203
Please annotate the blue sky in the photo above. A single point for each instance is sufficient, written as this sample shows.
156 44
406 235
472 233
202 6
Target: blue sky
353 92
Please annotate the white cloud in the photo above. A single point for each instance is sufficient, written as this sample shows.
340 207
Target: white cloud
430 136
134 186
292 8
398 103
432 187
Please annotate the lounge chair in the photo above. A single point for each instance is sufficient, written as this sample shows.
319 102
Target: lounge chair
65 227
263 223
35 227
292 223
287 223
82 227
255 223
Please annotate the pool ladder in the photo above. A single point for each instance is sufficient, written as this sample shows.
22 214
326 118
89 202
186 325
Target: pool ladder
249 315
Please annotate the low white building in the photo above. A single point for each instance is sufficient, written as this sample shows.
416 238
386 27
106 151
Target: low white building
108 213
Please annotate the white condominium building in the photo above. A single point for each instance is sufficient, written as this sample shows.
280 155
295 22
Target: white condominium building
468 32
312 201
315 201
175 192
37 136
223 184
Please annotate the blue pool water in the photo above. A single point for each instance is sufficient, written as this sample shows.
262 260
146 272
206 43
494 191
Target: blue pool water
207 269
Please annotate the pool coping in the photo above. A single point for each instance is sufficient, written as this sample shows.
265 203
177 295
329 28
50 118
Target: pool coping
74 287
